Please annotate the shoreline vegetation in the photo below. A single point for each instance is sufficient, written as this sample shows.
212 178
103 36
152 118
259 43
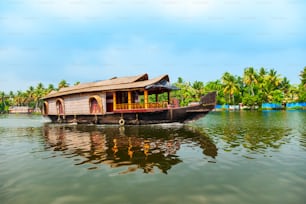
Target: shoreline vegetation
262 89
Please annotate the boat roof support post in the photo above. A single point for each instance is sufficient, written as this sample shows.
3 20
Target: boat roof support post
129 100
146 98
114 101
168 97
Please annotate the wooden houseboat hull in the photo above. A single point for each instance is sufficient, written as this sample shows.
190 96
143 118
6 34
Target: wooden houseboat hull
181 115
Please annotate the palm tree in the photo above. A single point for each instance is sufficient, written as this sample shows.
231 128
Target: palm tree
274 79
250 78
261 77
62 84
230 86
218 87
262 72
285 86
20 98
50 88
30 94
38 94
214 86
303 77
199 88
11 97
180 80
3 99
293 93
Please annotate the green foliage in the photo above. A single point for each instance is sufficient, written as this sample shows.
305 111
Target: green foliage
62 84
249 100
303 77
230 87
277 96
302 95
31 97
189 92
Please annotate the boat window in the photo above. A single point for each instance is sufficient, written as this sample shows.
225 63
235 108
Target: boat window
94 106
60 106
46 108
122 97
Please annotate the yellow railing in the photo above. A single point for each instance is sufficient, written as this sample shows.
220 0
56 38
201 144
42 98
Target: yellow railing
133 106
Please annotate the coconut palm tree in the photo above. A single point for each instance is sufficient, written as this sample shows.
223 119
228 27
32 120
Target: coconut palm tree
20 98
38 94
30 95
284 87
250 78
214 86
199 88
274 79
303 77
62 84
49 89
230 86
11 97
293 92
262 72
218 87
3 97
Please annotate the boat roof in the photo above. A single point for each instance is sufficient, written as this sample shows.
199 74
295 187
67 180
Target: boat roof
113 84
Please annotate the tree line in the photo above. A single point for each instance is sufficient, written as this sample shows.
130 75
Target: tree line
30 97
254 87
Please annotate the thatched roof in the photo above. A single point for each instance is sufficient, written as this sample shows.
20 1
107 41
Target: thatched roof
116 83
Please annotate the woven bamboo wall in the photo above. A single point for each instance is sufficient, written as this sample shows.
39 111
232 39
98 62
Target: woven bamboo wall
76 104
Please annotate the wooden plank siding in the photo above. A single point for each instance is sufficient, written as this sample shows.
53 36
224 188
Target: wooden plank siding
76 104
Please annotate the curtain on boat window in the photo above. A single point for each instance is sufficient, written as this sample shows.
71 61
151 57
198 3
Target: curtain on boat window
95 104
60 106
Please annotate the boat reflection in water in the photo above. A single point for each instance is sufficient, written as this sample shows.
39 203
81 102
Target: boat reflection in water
133 147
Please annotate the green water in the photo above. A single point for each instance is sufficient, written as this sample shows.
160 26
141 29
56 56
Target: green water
226 157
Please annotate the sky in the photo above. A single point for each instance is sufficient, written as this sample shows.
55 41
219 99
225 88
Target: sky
88 40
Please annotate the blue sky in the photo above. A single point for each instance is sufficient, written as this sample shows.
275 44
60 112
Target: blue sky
88 40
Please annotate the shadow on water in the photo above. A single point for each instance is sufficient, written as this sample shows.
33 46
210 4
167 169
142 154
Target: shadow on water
133 147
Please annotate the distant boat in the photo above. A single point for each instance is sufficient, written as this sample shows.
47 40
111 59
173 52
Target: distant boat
20 110
123 100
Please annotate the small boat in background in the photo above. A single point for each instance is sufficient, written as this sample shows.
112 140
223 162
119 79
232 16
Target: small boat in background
123 100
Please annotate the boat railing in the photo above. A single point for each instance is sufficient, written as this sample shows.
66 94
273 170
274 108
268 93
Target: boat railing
134 106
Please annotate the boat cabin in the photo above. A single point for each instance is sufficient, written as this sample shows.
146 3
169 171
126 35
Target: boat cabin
115 95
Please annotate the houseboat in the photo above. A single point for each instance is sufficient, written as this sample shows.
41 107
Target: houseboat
20 110
122 100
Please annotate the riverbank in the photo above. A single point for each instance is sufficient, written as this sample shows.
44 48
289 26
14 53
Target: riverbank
264 106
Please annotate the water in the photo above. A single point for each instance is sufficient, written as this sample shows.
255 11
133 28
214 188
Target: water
226 157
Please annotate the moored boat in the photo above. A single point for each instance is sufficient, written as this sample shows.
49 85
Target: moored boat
123 100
